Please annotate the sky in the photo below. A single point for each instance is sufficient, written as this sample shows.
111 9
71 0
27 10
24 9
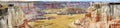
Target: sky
79 0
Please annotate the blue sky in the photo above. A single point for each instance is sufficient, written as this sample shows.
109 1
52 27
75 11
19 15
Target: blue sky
80 0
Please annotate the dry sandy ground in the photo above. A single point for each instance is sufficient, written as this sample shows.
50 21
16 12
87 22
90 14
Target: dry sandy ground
61 21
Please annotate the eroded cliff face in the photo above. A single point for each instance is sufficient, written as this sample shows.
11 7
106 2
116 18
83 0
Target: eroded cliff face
101 17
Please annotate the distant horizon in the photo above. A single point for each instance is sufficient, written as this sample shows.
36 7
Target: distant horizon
69 0
44 5
78 0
